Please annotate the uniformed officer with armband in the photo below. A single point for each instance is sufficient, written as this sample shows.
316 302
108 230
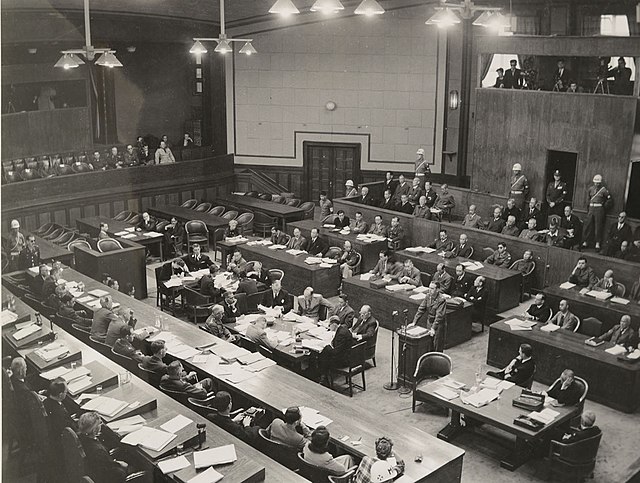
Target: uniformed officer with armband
519 187
555 195
422 168
598 197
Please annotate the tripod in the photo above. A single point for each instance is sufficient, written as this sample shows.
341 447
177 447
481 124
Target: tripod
603 86
404 388
392 385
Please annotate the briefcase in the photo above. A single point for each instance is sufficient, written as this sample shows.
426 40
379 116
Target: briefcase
529 423
380 283
529 400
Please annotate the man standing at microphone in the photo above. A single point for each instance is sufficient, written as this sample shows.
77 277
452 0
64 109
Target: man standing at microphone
430 315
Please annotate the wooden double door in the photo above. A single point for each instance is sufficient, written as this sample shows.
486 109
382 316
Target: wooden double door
327 167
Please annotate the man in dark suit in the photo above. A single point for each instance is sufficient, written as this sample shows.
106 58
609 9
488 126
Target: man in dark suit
573 226
102 318
342 311
99 464
58 416
297 241
364 327
561 77
622 79
174 380
513 77
207 283
586 430
278 237
365 198
462 250
520 370
565 390
461 283
496 224
405 206
147 223
259 274
316 245
335 354
499 84
197 260
402 189
174 235
477 295
277 297
247 285
340 221
430 315
233 307
620 334
154 362
388 202
390 183
415 192
512 210
532 211
239 426
618 232
430 194
174 267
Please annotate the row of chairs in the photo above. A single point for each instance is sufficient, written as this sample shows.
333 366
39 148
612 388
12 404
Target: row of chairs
61 235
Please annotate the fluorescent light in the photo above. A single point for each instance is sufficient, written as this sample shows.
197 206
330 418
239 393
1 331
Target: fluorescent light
108 60
248 49
198 48
498 22
66 62
484 19
443 18
327 6
284 8
369 8
223 47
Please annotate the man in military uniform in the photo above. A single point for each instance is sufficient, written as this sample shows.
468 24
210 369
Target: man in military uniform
597 197
556 192
519 187
395 235
422 168
431 316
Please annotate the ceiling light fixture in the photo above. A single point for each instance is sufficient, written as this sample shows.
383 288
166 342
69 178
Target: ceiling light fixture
327 6
369 8
72 56
284 8
224 42
450 14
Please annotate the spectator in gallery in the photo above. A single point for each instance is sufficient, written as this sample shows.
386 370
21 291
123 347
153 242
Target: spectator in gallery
164 154
187 140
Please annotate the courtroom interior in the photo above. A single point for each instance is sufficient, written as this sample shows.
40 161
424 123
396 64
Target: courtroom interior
333 241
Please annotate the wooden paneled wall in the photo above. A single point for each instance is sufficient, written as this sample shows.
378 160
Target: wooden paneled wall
64 199
44 132
521 126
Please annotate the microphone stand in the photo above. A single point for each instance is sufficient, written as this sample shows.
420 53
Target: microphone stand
404 388
392 385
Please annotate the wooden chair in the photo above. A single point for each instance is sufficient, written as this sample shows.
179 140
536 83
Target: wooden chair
197 232
126 362
230 215
262 223
355 270
151 377
355 365
280 452
203 207
217 210
265 196
333 252
245 223
78 243
311 472
370 351
432 365
251 194
276 274
525 286
293 202
123 215
65 238
620 290
108 245
591 326
198 306
189 204
44 229
52 235
574 461
135 219
309 209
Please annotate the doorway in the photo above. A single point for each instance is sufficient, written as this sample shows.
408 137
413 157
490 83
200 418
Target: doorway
327 167
566 163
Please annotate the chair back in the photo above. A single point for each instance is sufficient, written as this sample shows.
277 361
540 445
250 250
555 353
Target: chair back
245 222
293 202
203 207
578 453
196 227
78 243
217 210
230 215
279 199
52 235
276 274
487 251
254 299
39 424
425 278
180 396
74 455
370 351
278 451
108 245
333 252
161 225
127 362
202 406
65 239
620 290
432 365
309 208
584 385
471 254
356 357
265 196
135 219
312 472
189 204
123 215
44 229
591 326
149 376
356 267
251 194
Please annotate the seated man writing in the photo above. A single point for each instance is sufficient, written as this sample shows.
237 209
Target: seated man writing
175 380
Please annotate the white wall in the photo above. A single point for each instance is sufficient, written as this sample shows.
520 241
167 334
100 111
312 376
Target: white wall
381 73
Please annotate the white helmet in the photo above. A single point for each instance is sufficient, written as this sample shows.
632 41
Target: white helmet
517 167
349 183
382 471
597 178
420 151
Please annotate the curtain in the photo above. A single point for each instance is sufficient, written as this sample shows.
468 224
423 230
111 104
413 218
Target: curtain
634 26
527 25
485 64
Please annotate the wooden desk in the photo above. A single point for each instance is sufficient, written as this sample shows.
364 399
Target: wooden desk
298 275
609 313
442 461
612 382
185 214
50 252
91 225
499 413
502 284
157 408
370 251
383 302
284 213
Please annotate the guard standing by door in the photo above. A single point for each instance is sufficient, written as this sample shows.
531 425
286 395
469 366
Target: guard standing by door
598 199
519 187
422 168
555 195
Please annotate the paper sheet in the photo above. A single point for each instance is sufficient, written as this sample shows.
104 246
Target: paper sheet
567 285
106 406
616 350
445 393
8 317
549 328
26 332
619 300
208 476
54 373
98 293
150 438
78 385
137 419
215 456
173 464
85 299
176 424
366 276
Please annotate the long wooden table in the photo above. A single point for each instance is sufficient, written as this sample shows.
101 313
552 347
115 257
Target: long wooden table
157 408
499 413
503 285
442 461
612 382
185 214
370 251
609 313
284 213
91 225
383 302
298 275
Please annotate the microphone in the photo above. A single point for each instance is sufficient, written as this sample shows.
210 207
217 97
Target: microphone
405 311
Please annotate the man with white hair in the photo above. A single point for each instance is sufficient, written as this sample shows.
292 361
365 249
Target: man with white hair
309 304
256 333
102 318
586 430
472 219
364 327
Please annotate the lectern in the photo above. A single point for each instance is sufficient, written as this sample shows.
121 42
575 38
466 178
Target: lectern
416 346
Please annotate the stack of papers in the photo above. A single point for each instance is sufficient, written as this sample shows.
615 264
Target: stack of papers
277 247
78 385
366 276
122 233
173 282
260 242
294 252
599 294
229 351
184 352
328 225
260 365
85 299
106 406
311 260
475 266
418 296
416 331
545 416
634 355
237 239
445 393
616 350
51 351
567 285
8 317
314 344
490 382
127 425
55 373
129 235
26 331
326 265
549 328
94 304
152 234
399 287
150 438
75 374
312 418
207 476
250 358
215 456
98 293
517 324
330 261
174 464
130 229
481 398
619 300
176 424
452 383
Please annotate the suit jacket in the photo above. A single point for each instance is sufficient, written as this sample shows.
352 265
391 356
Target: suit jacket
360 226
297 243
235 428
511 230
125 348
207 286
168 271
48 287
516 212
499 260
194 264
527 214
460 251
442 246
99 464
313 309
521 371
431 312
367 200
422 212
562 77
472 221
155 364
342 342
541 314
317 246
401 189
460 286
569 396
617 336
28 258
444 279
232 312
413 275
390 185
259 336
262 277
101 320
478 297
414 194
580 434
279 239
344 314
513 80
406 208
281 300
572 223
380 230
176 383
383 268
147 226
584 277
389 204
366 328
248 286
341 224
58 418
615 237
495 225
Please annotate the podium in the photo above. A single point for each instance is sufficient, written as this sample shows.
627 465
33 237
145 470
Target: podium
416 346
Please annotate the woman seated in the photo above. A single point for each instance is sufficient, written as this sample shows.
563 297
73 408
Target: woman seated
100 466
386 466
316 453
